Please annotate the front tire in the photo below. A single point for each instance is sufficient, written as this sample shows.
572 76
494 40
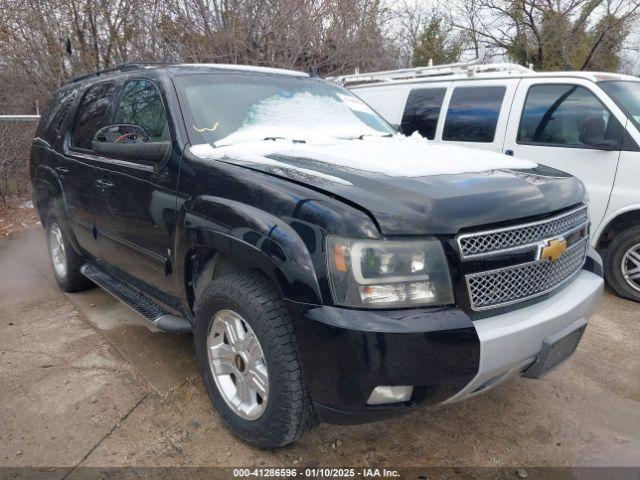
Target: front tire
248 360
65 262
622 264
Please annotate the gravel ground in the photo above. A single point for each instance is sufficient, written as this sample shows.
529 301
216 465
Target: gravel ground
83 383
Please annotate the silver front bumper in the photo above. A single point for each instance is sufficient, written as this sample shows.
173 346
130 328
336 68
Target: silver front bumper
510 342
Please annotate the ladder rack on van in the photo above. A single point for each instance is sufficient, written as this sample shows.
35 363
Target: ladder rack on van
468 68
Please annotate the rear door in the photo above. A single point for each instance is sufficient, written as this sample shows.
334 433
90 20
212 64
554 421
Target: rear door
411 107
550 122
422 110
138 200
477 112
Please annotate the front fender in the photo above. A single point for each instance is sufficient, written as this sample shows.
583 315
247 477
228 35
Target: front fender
252 235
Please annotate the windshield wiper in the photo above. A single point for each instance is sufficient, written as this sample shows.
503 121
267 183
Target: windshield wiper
384 135
273 139
265 139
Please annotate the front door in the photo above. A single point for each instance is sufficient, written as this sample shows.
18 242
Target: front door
138 199
568 125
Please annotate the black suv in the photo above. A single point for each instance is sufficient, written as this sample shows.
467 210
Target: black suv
329 268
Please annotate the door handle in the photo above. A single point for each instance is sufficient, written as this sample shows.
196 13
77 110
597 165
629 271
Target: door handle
509 152
62 169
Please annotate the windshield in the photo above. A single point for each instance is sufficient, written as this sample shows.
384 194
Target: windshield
222 109
627 95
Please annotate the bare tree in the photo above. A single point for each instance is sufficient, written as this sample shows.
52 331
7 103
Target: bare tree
560 34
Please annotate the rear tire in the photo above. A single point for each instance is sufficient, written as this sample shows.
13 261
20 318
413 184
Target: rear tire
622 264
278 410
65 262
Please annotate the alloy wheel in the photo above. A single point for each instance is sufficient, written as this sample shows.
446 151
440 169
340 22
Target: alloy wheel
630 267
238 365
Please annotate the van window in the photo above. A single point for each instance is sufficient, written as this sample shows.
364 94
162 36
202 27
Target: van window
627 95
93 114
141 104
473 114
563 115
422 111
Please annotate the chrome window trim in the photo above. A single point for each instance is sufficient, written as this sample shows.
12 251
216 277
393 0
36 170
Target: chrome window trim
583 242
113 161
519 248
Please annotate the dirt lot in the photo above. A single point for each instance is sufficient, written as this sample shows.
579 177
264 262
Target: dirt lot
82 383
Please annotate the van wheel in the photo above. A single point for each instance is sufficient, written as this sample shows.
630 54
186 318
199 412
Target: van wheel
622 264
65 262
248 360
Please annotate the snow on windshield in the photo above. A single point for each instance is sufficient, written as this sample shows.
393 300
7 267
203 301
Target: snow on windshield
303 116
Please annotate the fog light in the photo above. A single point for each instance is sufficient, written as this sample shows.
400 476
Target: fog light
384 394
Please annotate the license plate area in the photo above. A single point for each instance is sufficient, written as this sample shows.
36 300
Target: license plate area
556 349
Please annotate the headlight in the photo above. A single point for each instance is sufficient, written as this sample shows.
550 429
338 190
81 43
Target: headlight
382 274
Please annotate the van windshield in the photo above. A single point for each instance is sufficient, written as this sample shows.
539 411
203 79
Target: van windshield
223 109
626 94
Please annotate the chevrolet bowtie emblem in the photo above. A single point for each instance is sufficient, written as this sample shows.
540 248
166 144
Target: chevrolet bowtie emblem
553 249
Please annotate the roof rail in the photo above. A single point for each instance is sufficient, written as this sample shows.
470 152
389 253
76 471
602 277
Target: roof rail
123 67
470 68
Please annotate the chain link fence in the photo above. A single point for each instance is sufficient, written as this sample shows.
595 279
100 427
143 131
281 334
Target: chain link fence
16 136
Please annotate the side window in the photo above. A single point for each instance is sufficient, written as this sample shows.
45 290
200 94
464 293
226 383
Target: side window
141 104
473 114
59 106
93 114
422 111
566 115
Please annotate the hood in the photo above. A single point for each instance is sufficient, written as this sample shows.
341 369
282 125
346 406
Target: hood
409 186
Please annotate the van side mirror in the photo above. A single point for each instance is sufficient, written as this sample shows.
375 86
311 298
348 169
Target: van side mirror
593 133
129 142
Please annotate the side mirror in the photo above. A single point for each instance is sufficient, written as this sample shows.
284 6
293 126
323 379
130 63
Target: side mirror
129 142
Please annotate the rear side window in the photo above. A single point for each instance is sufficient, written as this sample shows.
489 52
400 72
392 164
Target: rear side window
422 111
565 115
141 104
93 114
60 105
473 114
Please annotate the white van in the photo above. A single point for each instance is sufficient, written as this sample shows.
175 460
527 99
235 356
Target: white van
585 123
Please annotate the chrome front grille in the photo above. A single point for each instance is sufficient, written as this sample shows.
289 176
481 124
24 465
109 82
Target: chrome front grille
520 237
505 286
499 287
